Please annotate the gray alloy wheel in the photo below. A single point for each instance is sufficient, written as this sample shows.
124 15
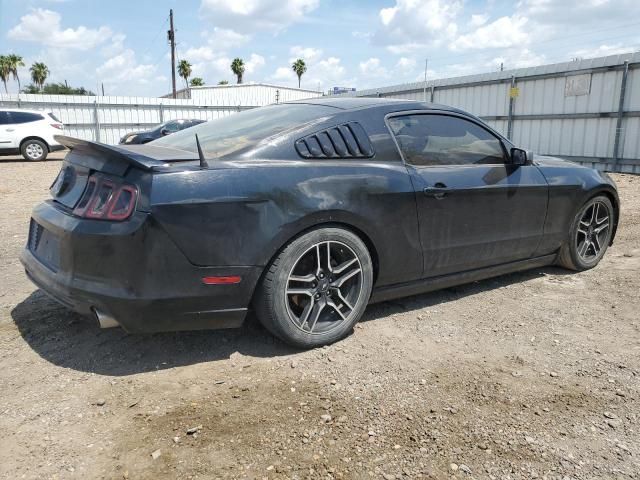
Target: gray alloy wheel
316 289
589 236
34 150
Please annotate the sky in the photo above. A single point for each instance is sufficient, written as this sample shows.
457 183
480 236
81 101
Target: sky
364 44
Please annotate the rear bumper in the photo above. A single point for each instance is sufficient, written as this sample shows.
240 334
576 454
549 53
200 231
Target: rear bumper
56 147
132 272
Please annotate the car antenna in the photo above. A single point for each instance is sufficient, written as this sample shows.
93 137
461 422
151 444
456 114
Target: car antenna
203 161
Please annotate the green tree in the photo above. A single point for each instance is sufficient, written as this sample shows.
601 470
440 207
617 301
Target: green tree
39 73
5 70
237 67
184 70
15 62
57 89
197 82
223 82
299 67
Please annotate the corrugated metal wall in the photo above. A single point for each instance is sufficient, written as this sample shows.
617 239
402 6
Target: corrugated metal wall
550 114
108 118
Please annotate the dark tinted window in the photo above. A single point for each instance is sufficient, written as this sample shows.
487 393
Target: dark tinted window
24 117
55 119
173 126
4 118
241 132
445 140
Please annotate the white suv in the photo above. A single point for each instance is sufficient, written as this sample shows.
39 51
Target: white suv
29 132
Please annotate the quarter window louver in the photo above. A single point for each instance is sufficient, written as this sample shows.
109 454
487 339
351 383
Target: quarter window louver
348 140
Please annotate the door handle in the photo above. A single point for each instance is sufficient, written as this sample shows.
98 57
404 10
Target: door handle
438 191
10 129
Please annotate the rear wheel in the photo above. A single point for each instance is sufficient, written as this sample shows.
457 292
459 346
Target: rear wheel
34 150
589 235
316 289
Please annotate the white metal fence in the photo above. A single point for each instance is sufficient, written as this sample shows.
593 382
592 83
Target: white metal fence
107 119
587 111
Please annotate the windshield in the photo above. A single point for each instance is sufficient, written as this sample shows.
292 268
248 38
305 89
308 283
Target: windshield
240 132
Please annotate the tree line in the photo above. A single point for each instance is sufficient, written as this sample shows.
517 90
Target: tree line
237 68
9 65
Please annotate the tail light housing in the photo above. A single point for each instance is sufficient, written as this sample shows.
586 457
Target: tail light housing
59 126
105 199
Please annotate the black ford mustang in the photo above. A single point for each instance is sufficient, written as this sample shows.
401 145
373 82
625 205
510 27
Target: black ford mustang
306 212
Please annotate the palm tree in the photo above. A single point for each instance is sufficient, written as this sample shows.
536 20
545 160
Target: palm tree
299 67
39 73
5 70
15 62
184 70
237 67
197 82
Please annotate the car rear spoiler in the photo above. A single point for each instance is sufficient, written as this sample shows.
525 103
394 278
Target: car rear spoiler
145 157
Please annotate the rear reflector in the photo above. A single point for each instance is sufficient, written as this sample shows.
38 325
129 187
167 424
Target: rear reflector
221 280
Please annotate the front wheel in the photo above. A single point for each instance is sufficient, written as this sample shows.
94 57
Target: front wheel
34 150
316 289
589 235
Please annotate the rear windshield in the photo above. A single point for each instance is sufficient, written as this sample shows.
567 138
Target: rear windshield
55 119
241 132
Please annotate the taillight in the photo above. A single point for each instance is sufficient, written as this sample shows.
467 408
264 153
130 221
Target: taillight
59 126
106 200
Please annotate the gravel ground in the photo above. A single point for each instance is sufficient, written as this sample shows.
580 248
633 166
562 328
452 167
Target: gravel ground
531 375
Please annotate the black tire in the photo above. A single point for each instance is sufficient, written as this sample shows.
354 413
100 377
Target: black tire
580 234
34 150
285 314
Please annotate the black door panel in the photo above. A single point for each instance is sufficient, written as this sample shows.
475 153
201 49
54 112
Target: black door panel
477 216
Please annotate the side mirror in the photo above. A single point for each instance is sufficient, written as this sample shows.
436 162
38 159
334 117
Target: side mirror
521 157
164 132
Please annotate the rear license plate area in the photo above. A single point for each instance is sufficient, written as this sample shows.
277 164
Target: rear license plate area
44 245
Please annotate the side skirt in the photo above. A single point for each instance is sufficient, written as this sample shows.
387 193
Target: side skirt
424 285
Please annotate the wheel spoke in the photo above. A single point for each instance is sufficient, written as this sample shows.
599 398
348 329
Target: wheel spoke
303 278
300 291
601 228
329 268
335 307
596 245
343 300
315 313
594 213
582 249
304 317
343 266
341 281
319 268
583 232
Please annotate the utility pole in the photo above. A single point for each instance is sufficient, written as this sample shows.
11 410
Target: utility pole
171 36
426 63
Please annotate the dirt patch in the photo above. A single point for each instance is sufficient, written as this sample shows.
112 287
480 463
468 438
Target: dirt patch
529 375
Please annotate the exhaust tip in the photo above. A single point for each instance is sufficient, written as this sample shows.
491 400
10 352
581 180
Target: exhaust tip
104 320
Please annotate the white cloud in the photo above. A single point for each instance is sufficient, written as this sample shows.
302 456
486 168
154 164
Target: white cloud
502 33
223 38
600 51
44 27
406 64
413 24
373 68
254 63
478 20
248 16
308 54
123 69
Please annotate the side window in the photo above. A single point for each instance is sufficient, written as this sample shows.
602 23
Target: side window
172 126
427 139
4 118
25 117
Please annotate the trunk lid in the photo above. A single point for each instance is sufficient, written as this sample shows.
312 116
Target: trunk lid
87 157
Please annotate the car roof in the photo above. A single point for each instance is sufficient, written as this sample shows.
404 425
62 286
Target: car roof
25 110
353 103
